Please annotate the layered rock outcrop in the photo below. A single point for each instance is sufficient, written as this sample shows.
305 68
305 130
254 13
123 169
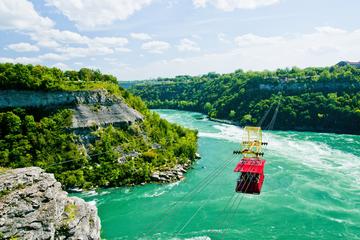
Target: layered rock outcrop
33 206
90 107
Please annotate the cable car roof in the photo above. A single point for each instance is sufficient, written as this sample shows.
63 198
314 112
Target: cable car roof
251 165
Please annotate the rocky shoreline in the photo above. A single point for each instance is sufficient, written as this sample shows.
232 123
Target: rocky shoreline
174 174
167 176
33 206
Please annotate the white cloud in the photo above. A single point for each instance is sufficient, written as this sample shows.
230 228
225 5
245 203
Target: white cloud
330 30
155 46
56 37
188 45
93 13
53 57
23 47
230 5
200 3
110 59
251 39
83 52
61 65
109 41
140 36
48 43
24 60
74 45
122 49
223 38
178 60
21 15
318 48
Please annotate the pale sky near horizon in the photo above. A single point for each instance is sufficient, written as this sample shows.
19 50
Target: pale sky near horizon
142 39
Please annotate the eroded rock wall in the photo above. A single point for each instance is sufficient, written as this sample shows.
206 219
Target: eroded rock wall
90 107
33 206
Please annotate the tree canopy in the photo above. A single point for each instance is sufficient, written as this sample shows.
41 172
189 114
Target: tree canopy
316 99
105 156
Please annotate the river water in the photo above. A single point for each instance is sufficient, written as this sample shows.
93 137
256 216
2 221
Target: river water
311 190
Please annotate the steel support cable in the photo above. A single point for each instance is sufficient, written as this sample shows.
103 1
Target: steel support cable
209 178
92 155
265 115
195 213
234 196
198 188
215 175
236 207
233 199
248 183
272 123
231 214
273 119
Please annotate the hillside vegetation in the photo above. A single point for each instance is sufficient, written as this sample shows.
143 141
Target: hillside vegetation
316 99
115 156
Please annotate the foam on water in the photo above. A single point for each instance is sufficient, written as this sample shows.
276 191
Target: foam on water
311 191
90 193
92 202
155 194
318 156
104 192
193 238
225 132
314 155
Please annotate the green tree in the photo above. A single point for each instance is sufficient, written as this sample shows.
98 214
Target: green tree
11 123
208 107
232 114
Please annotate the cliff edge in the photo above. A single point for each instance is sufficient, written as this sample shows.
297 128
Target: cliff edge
33 206
90 108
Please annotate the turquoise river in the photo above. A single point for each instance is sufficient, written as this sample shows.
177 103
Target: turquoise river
311 191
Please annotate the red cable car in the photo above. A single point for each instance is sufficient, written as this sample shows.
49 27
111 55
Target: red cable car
251 166
252 175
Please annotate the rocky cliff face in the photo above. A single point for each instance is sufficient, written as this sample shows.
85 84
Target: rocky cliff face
33 206
27 98
117 113
90 107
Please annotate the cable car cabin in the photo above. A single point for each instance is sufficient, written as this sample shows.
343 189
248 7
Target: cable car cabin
251 166
252 175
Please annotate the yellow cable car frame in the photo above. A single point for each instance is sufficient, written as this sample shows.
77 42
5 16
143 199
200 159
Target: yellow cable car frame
252 142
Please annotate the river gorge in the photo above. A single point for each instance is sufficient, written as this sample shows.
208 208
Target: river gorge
311 190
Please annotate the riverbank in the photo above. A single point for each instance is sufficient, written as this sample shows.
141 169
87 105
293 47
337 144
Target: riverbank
158 177
224 121
311 207
175 174
318 129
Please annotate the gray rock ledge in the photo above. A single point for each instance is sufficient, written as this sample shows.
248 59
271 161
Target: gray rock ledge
33 206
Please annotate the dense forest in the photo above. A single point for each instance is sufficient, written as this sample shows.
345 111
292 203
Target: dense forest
315 99
117 155
19 76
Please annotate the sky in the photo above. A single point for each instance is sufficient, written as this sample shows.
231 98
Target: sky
146 39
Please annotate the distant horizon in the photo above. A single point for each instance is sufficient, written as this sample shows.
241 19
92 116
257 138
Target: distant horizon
149 39
202 74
